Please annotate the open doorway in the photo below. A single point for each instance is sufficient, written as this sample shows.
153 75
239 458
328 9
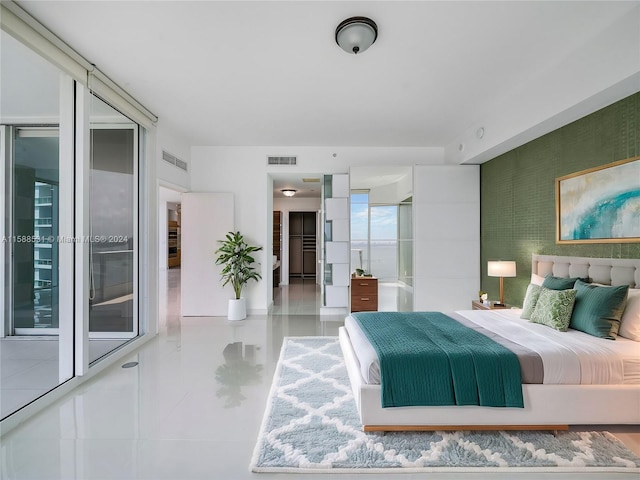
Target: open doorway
169 228
296 244
382 232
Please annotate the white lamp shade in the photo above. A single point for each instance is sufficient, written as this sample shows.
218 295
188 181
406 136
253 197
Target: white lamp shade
500 268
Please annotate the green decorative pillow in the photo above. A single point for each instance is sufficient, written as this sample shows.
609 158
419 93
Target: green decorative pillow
530 300
557 283
598 309
554 308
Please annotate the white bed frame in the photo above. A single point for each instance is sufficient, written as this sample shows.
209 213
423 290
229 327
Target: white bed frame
546 407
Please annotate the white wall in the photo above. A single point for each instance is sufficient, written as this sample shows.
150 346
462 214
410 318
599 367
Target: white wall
206 218
446 205
170 141
244 172
608 67
286 205
170 181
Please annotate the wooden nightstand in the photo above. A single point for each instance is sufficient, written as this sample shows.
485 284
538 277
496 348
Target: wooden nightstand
364 294
478 305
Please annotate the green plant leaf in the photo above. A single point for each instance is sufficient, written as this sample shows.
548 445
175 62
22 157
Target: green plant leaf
238 264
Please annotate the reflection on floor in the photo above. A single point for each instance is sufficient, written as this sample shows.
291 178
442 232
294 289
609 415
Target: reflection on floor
191 409
29 367
302 297
394 297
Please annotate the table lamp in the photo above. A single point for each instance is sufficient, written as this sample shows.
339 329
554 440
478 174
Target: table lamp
500 268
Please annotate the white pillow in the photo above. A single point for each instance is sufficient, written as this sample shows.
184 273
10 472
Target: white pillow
537 279
630 321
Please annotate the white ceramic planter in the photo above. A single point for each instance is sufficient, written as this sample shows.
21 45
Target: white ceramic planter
237 309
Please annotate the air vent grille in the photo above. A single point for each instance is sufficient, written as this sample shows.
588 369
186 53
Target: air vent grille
282 160
173 160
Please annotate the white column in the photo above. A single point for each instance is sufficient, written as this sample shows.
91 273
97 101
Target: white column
337 249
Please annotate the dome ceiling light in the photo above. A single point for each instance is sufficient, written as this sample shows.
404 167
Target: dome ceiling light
288 192
356 34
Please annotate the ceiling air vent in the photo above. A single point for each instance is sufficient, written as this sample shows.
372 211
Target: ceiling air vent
173 160
282 160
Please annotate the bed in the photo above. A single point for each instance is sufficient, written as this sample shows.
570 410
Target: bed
608 395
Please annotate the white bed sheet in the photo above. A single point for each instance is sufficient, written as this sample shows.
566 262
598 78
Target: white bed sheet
569 358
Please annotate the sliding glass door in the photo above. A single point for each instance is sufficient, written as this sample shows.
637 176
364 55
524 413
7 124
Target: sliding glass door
70 149
113 224
36 332
34 214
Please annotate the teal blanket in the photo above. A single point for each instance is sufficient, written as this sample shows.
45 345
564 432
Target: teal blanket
428 358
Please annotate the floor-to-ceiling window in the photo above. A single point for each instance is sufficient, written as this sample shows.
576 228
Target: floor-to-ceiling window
374 238
34 174
71 178
33 359
113 226
405 242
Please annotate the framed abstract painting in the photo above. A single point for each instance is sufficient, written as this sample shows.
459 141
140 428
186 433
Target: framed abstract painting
600 205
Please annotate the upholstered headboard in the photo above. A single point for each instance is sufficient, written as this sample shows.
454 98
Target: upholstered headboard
608 271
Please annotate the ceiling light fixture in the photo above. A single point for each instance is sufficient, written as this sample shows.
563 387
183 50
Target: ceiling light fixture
288 192
356 34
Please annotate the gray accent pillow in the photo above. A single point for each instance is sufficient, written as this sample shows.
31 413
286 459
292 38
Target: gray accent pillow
530 300
554 308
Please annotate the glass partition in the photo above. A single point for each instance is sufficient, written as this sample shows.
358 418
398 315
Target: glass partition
41 346
33 360
35 216
113 219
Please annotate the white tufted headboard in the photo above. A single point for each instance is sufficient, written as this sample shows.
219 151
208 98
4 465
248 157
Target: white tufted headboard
608 271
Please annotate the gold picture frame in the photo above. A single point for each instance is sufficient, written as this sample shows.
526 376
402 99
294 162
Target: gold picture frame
600 205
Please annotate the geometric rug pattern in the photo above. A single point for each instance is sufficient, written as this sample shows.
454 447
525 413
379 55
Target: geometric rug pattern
311 425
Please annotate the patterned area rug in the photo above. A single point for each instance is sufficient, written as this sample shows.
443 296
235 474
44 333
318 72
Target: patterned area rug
311 425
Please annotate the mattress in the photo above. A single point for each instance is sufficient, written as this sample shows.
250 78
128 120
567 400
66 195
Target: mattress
565 358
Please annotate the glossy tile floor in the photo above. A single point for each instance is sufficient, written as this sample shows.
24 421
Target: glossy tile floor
29 367
186 411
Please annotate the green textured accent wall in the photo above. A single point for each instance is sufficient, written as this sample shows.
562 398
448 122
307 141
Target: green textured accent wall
517 192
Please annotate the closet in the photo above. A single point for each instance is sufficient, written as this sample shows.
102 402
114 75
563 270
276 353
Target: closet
277 246
302 245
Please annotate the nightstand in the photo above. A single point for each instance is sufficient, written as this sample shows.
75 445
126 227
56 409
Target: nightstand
364 294
478 305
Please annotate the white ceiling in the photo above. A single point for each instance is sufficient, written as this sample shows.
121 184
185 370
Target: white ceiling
270 73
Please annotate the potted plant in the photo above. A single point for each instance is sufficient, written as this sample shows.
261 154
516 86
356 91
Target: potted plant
238 268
